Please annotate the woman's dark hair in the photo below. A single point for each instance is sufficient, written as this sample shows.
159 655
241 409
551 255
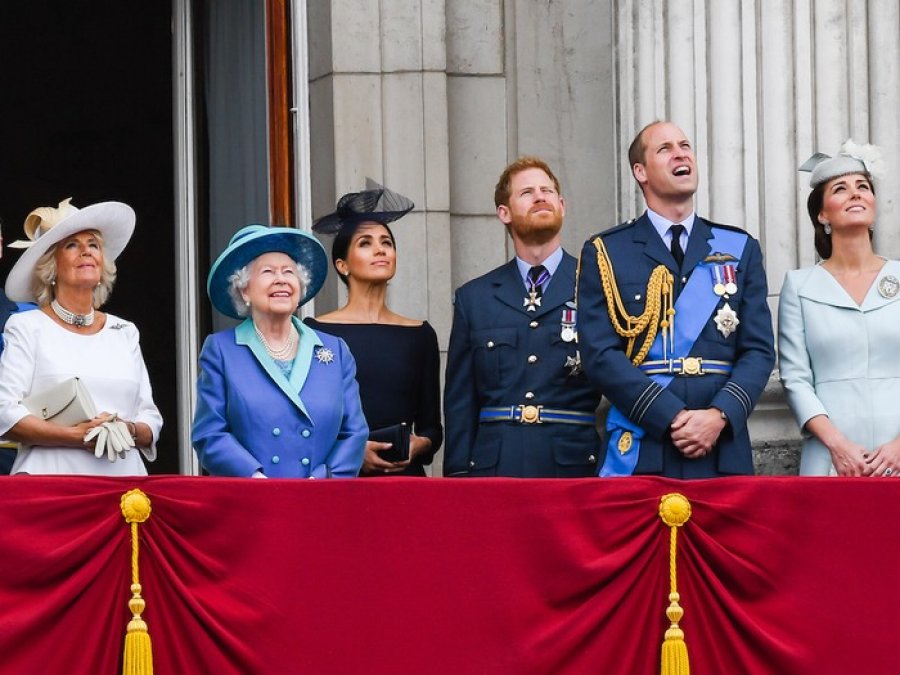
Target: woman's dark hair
814 203
342 243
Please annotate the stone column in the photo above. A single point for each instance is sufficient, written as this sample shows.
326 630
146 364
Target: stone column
378 109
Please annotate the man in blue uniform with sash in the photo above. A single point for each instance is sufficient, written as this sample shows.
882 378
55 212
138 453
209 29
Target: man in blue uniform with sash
516 401
673 325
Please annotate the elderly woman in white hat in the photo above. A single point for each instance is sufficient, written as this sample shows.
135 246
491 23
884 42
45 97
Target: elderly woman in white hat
275 398
68 268
838 321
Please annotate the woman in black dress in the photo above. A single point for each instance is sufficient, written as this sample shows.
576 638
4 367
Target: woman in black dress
397 358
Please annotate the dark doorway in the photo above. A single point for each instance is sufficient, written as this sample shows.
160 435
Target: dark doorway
86 112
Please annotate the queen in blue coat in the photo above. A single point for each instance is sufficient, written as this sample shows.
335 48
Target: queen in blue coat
275 398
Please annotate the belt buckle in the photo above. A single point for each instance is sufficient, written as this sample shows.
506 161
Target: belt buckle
692 365
530 414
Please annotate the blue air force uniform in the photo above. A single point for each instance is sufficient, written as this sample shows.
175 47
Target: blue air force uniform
727 372
516 402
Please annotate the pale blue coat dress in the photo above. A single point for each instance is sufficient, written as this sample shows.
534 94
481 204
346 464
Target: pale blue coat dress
841 359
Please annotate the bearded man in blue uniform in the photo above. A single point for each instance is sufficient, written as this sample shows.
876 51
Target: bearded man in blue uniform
674 326
516 402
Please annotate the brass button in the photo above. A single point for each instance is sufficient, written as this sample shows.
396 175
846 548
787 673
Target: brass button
533 324
490 344
532 359
471 463
592 459
529 395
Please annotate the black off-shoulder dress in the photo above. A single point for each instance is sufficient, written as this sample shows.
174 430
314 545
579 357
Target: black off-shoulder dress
398 370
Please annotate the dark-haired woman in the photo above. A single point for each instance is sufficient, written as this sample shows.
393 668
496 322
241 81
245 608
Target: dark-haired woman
838 327
396 357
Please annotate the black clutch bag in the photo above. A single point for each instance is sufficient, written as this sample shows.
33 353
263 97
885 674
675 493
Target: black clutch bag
398 436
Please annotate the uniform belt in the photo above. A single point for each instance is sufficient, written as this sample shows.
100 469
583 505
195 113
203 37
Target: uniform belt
535 414
689 366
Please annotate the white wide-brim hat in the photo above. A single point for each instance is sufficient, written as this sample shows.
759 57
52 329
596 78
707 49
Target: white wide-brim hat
47 226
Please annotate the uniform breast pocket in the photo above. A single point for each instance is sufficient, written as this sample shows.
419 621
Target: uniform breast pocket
495 351
634 297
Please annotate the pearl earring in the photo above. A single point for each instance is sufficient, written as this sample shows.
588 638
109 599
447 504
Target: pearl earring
826 227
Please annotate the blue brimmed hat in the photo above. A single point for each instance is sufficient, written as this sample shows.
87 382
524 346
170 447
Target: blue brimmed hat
252 241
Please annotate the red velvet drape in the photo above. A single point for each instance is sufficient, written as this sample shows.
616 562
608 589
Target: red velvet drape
777 575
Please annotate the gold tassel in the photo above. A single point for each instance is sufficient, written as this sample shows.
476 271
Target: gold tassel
138 657
675 511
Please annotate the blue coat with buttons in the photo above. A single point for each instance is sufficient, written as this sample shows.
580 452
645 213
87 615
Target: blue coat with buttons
250 417
503 355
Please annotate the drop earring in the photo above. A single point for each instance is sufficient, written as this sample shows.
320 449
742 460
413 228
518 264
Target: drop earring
826 227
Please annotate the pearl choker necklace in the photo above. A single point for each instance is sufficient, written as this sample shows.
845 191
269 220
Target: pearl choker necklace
71 318
283 352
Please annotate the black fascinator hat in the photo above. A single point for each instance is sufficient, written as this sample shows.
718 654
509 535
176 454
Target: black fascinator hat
374 204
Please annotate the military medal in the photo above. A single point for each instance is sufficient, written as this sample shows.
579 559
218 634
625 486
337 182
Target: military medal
726 320
532 302
730 279
888 286
573 363
567 326
718 275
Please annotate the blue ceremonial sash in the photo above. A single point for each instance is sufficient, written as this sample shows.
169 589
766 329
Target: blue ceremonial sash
693 308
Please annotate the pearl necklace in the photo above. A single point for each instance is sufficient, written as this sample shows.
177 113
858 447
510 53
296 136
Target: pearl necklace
71 318
283 352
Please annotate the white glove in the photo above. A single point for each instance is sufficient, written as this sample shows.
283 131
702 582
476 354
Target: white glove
99 434
113 439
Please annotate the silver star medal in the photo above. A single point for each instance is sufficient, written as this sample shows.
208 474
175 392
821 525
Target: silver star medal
726 320
324 355
532 302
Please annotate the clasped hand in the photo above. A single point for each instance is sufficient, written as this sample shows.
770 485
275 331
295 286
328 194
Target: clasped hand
695 432
111 438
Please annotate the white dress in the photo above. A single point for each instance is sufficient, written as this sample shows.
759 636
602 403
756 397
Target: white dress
39 354
839 359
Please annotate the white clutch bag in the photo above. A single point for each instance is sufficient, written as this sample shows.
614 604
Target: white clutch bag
66 404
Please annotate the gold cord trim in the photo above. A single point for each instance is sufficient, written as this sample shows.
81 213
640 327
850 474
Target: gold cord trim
675 511
659 307
138 656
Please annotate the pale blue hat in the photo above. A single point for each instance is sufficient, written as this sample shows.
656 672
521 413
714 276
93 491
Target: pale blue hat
852 158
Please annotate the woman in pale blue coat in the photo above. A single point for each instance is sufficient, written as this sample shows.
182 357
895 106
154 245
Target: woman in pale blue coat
275 398
837 337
